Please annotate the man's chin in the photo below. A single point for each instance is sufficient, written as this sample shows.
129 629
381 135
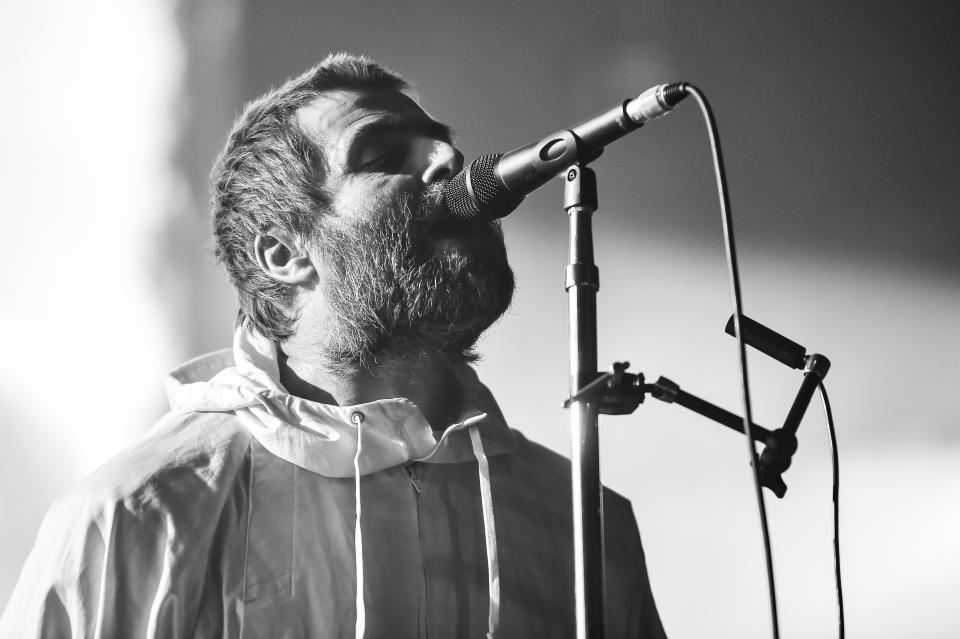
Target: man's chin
470 249
447 245
475 248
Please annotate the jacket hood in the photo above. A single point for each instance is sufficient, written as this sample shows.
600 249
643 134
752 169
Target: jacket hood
322 438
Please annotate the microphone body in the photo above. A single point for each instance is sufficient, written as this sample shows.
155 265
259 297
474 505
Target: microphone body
492 186
769 342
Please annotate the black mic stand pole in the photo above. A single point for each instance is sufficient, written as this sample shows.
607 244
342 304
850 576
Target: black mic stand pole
582 282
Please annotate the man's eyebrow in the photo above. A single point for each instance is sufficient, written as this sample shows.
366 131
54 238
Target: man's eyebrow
398 124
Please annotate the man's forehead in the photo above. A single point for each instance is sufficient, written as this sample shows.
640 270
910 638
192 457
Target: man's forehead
329 117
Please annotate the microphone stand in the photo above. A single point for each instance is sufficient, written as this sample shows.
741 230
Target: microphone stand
582 282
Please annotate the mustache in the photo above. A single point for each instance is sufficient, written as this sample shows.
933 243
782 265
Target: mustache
432 219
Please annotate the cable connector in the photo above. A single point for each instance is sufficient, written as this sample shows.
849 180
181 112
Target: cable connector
655 102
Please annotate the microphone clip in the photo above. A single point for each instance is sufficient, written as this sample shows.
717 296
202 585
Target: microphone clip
782 443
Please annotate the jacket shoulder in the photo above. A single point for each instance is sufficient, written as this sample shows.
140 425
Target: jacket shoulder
539 489
540 464
187 456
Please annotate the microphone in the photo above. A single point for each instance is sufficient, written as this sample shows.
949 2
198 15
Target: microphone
494 185
781 444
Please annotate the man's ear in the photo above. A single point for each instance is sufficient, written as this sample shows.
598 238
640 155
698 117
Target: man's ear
283 258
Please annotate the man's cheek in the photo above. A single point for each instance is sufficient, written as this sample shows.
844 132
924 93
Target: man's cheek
366 198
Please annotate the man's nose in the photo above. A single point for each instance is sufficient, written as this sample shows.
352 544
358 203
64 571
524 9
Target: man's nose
445 162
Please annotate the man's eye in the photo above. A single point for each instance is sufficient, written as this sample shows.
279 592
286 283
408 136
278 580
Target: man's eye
375 164
384 161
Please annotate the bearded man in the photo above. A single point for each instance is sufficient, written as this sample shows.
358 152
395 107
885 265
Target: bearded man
340 471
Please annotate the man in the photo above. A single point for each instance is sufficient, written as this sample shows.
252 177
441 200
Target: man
340 471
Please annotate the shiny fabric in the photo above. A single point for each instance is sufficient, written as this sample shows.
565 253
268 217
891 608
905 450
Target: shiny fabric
235 517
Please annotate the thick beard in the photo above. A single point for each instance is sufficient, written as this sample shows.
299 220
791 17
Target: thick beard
396 300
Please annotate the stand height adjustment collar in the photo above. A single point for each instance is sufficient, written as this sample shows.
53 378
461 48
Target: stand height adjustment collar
582 275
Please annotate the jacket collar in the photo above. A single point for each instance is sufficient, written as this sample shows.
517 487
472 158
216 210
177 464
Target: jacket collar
320 437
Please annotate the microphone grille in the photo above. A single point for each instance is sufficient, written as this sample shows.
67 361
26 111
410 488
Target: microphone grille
484 180
476 191
458 198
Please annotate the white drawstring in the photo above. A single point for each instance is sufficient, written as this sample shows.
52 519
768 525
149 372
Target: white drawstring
357 418
490 532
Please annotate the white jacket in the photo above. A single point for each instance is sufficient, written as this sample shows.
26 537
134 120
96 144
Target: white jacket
236 516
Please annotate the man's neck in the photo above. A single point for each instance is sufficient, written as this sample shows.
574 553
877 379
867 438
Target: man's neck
427 382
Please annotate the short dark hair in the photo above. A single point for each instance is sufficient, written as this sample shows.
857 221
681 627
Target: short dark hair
271 174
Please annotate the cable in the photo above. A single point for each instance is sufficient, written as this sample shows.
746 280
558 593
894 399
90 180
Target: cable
738 313
836 502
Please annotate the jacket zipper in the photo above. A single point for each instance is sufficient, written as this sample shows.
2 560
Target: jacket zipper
418 498
415 480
